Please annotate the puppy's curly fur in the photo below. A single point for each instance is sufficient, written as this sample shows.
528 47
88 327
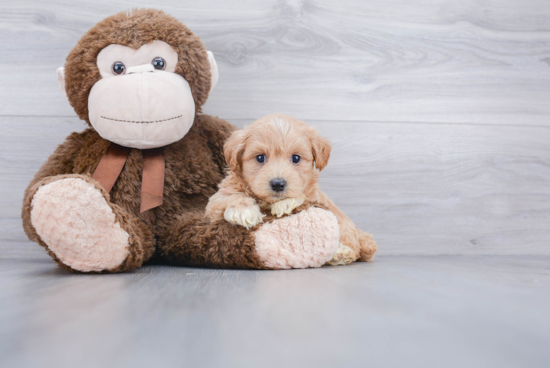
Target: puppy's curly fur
275 165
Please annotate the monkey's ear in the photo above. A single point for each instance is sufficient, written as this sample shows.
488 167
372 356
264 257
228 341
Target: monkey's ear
213 70
61 80
233 149
321 149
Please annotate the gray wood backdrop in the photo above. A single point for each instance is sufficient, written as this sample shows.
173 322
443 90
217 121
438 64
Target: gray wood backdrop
439 111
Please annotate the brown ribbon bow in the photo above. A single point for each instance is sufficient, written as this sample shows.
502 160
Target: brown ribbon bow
152 182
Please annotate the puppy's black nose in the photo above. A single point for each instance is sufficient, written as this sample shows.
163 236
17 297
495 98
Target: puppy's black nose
278 185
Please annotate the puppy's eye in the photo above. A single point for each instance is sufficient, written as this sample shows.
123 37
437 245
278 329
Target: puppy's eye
260 159
118 68
296 159
159 63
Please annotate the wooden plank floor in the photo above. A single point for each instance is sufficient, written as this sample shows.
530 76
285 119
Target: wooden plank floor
446 311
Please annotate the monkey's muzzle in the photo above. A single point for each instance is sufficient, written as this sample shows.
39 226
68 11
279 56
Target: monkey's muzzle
144 108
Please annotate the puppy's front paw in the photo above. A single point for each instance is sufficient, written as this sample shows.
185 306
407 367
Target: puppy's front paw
286 206
248 216
343 256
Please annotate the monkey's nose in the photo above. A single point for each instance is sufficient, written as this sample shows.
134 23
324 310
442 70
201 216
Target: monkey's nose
278 185
140 69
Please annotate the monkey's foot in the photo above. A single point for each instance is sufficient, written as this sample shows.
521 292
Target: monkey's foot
77 224
306 239
343 256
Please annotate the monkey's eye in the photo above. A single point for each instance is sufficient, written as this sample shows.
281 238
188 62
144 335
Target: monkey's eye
260 159
159 63
296 159
118 68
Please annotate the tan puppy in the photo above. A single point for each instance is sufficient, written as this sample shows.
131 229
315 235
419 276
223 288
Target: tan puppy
272 169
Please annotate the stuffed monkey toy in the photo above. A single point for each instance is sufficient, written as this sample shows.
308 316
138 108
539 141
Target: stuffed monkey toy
133 186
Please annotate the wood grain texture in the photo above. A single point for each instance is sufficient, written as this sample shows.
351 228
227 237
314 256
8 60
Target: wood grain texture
419 188
397 312
424 61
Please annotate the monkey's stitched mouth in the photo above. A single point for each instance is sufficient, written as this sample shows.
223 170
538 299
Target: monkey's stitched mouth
141 122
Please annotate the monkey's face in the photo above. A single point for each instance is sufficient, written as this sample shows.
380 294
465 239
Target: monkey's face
139 101
139 78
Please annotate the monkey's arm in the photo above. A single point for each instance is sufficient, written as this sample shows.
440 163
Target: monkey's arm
308 238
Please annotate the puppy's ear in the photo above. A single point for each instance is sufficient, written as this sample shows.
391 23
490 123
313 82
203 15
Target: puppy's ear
321 149
233 149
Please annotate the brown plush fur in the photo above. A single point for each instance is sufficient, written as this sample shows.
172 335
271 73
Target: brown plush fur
217 245
194 165
246 191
